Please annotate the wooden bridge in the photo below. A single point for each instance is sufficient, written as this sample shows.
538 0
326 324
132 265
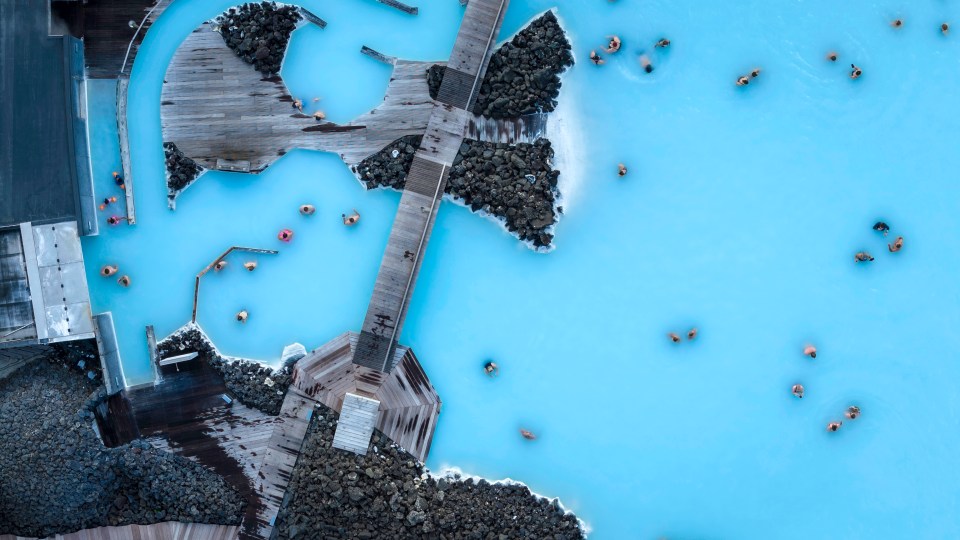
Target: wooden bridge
425 182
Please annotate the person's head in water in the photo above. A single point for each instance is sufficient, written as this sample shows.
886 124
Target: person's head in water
663 43
896 23
307 209
881 227
596 58
810 351
250 265
220 266
285 235
528 435
896 246
855 72
944 28
674 337
743 81
832 56
755 73
491 368
614 44
692 334
351 219
621 169
834 426
646 64
242 316
853 412
108 270
124 281
797 390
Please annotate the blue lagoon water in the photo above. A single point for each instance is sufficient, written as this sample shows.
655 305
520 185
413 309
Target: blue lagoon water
740 215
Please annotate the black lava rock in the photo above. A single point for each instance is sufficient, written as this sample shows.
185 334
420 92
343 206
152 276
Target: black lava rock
56 476
181 170
387 494
523 76
254 384
514 183
259 33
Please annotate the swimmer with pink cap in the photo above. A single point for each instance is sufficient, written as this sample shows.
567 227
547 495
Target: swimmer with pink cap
285 235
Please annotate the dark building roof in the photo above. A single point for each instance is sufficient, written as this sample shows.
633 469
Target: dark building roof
38 108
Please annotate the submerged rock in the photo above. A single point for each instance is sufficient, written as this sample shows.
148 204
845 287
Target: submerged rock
523 75
514 183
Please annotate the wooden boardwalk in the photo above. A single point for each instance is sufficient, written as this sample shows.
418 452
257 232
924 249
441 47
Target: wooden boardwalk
358 416
158 531
219 110
425 183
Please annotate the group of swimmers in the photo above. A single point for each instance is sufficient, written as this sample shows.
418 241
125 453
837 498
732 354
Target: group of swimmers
852 413
286 235
691 335
614 45
108 270
107 201
318 115
881 227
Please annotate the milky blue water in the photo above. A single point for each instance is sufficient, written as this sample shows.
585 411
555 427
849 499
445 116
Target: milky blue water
740 215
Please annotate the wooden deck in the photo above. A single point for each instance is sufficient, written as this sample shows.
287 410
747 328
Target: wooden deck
409 404
218 109
358 416
158 531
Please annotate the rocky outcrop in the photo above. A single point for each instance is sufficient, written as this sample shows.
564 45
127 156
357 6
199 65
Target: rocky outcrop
254 384
56 476
523 76
388 494
181 171
259 33
515 184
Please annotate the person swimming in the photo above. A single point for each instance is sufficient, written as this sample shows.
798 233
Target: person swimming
115 220
692 334
944 28
285 235
834 426
124 281
797 390
663 43
528 435
491 368
853 412
297 104
307 209
896 246
119 180
855 72
897 23
106 202
250 265
881 227
862 256
646 64
743 81
319 115
220 266
614 44
755 73
242 316
832 56
621 170
596 58
108 270
352 219
674 337
810 351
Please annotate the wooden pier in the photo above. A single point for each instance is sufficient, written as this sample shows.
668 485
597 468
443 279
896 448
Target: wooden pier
196 283
425 182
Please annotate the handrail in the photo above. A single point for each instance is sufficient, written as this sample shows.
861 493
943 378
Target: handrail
24 327
196 285
123 66
416 261
487 51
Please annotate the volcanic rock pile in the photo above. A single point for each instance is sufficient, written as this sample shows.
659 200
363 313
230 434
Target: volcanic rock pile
523 76
181 170
388 494
254 384
56 476
514 183
259 33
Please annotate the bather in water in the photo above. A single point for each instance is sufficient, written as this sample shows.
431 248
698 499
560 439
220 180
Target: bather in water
834 426
124 281
797 390
810 351
527 435
832 56
250 265
614 44
663 43
853 412
491 368
220 266
674 337
855 72
862 256
692 334
352 219
108 270
242 316
621 170
881 227
646 64
307 209
896 246
596 58
743 80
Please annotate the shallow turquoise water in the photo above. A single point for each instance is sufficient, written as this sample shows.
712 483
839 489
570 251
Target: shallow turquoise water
740 215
